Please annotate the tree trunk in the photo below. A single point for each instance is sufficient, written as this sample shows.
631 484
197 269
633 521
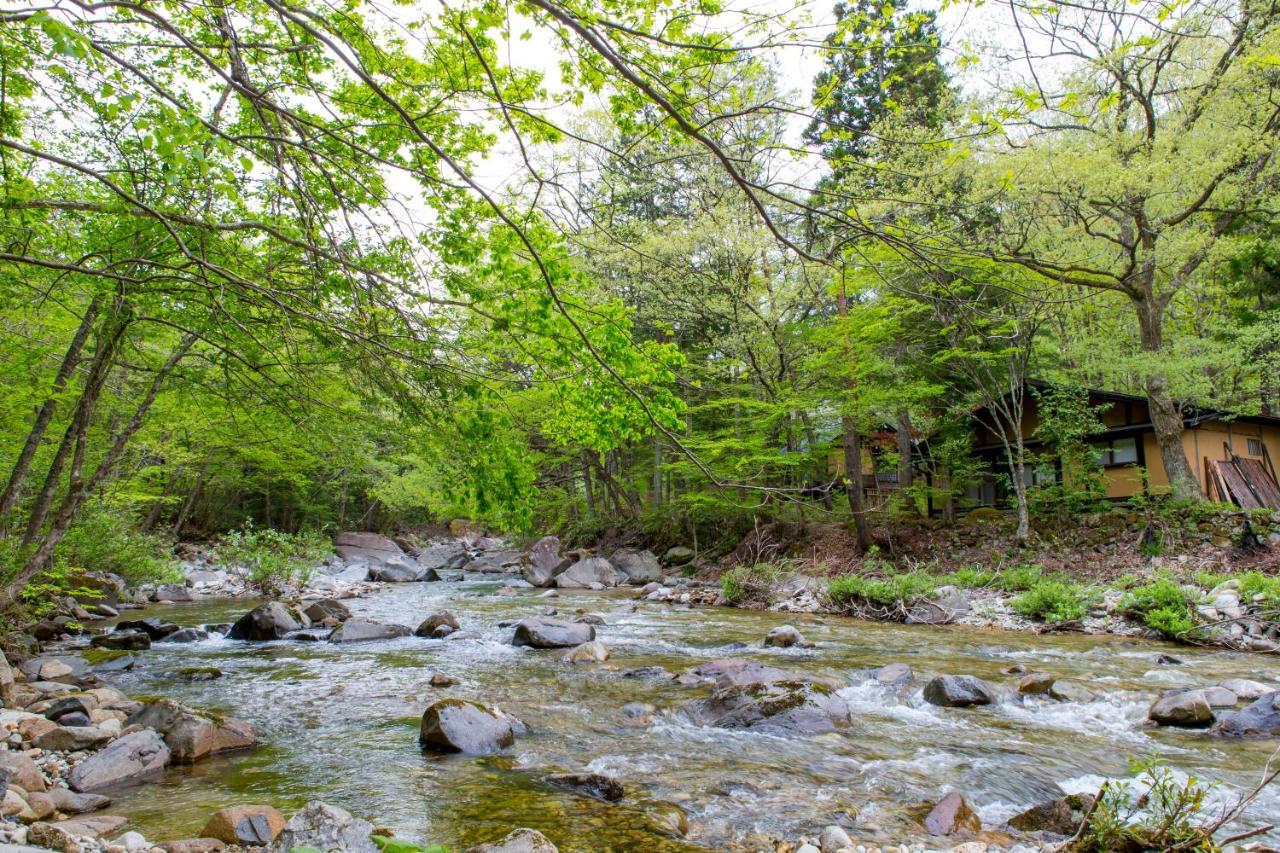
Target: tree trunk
853 442
906 474
185 512
1165 418
588 488
656 499
13 490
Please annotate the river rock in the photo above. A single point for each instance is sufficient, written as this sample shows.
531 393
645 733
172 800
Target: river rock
171 593
595 785
191 735
327 608
328 829
541 633
193 845
639 567
443 557
1061 816
270 621
436 621
678 556
834 839
952 815
156 629
1260 718
1071 691
245 825
187 635
588 571
21 770
96 587
131 641
1219 697
947 604
1187 710
783 707
359 630
355 547
1247 690
666 818
519 841
65 669
893 675
400 570
1036 683
458 725
73 738
728 672
592 652
62 834
69 802
958 691
133 758
784 636
67 705
543 562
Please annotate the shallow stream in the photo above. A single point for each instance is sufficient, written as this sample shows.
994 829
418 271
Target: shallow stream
339 723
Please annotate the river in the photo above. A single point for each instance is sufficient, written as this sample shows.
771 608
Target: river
339 723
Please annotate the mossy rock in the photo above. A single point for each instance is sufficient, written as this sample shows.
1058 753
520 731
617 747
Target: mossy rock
983 514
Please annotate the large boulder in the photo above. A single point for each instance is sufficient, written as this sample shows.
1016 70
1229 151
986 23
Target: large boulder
249 826
401 570
640 567
270 621
541 633
362 630
1186 710
520 841
589 572
69 802
442 557
543 562
678 555
456 725
191 735
21 771
958 691
781 707
1246 689
1061 816
74 738
947 604
133 758
327 608
130 641
156 629
328 829
96 588
366 548
432 626
952 815
1260 718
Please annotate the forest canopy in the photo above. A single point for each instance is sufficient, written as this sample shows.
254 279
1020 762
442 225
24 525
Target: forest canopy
564 265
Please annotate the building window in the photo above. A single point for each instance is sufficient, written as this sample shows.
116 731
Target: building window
1255 447
1118 451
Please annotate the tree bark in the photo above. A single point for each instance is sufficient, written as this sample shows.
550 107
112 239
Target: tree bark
588 488
13 490
1166 420
906 474
852 442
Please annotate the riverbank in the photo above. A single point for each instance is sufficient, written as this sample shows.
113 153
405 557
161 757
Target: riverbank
667 704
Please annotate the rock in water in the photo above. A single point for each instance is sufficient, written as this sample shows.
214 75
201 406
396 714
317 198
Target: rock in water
1247 690
543 562
595 785
833 839
456 725
1186 710
133 758
327 608
361 630
952 815
435 621
270 621
245 825
1036 683
191 735
1061 816
958 691
894 675
131 641
328 829
784 636
782 707
542 633
584 573
156 629
400 570
640 567
187 635
592 652
520 841
1260 718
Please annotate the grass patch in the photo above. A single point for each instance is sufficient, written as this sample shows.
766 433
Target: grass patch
894 590
754 583
1055 600
1162 605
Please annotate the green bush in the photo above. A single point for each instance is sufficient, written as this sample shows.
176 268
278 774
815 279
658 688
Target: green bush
972 577
887 592
106 538
1018 578
273 558
1053 600
752 583
1162 605
1156 811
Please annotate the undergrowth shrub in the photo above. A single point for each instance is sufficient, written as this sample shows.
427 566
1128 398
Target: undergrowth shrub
1054 600
272 558
892 591
1018 578
753 583
972 577
1163 605
106 538
1154 811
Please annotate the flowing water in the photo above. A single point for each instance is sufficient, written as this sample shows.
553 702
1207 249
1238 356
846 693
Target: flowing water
339 723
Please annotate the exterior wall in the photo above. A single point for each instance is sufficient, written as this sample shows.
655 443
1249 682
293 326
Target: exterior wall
1211 440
